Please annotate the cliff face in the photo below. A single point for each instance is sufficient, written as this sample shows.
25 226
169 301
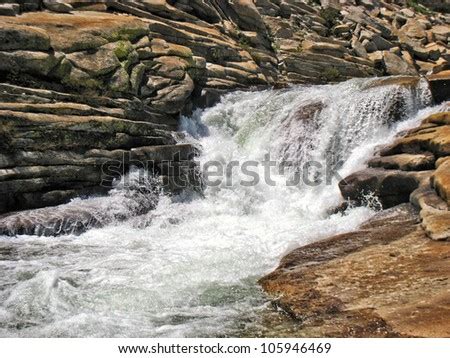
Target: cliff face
390 277
83 82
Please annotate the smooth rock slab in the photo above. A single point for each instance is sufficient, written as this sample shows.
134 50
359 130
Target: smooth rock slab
386 279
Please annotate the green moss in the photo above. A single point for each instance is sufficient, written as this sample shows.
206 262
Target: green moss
123 49
128 34
419 8
132 59
331 74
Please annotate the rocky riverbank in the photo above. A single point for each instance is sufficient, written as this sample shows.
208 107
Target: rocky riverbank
86 82
390 278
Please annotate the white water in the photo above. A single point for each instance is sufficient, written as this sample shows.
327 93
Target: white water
189 267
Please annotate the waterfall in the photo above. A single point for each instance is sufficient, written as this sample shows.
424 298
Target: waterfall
189 267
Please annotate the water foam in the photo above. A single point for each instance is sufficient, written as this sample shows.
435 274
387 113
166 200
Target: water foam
189 267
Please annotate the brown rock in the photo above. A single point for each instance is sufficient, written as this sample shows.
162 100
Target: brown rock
395 65
436 223
391 187
441 179
367 283
406 162
434 139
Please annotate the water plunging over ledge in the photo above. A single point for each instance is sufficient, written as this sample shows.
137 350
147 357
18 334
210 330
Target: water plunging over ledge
190 266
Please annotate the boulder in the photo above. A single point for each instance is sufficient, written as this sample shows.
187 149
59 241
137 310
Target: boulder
432 139
9 9
441 179
391 187
441 33
414 29
395 65
33 62
57 6
405 162
248 15
436 223
97 63
440 86
19 37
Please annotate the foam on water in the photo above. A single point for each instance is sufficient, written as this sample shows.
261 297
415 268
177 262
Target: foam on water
189 267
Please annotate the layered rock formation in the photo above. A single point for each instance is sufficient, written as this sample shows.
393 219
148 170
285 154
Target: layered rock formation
390 277
82 82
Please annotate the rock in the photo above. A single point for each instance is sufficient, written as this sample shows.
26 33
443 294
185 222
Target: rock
441 33
420 53
434 51
136 78
120 81
38 63
391 187
434 139
324 48
9 9
405 162
395 65
380 43
369 46
83 31
333 287
19 37
440 86
57 6
407 12
341 29
414 29
248 15
441 180
359 48
425 197
436 223
172 99
98 63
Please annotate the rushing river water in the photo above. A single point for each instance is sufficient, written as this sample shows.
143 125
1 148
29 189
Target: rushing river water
190 267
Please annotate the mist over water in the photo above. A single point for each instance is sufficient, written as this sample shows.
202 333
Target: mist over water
189 267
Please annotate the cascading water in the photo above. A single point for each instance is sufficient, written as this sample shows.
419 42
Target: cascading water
189 267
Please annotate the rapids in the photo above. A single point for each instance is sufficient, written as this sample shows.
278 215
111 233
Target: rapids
190 267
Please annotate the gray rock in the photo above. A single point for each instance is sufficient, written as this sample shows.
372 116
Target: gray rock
19 37
9 9
57 6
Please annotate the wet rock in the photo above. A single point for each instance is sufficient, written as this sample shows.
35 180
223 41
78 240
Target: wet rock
391 187
405 162
433 139
440 86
